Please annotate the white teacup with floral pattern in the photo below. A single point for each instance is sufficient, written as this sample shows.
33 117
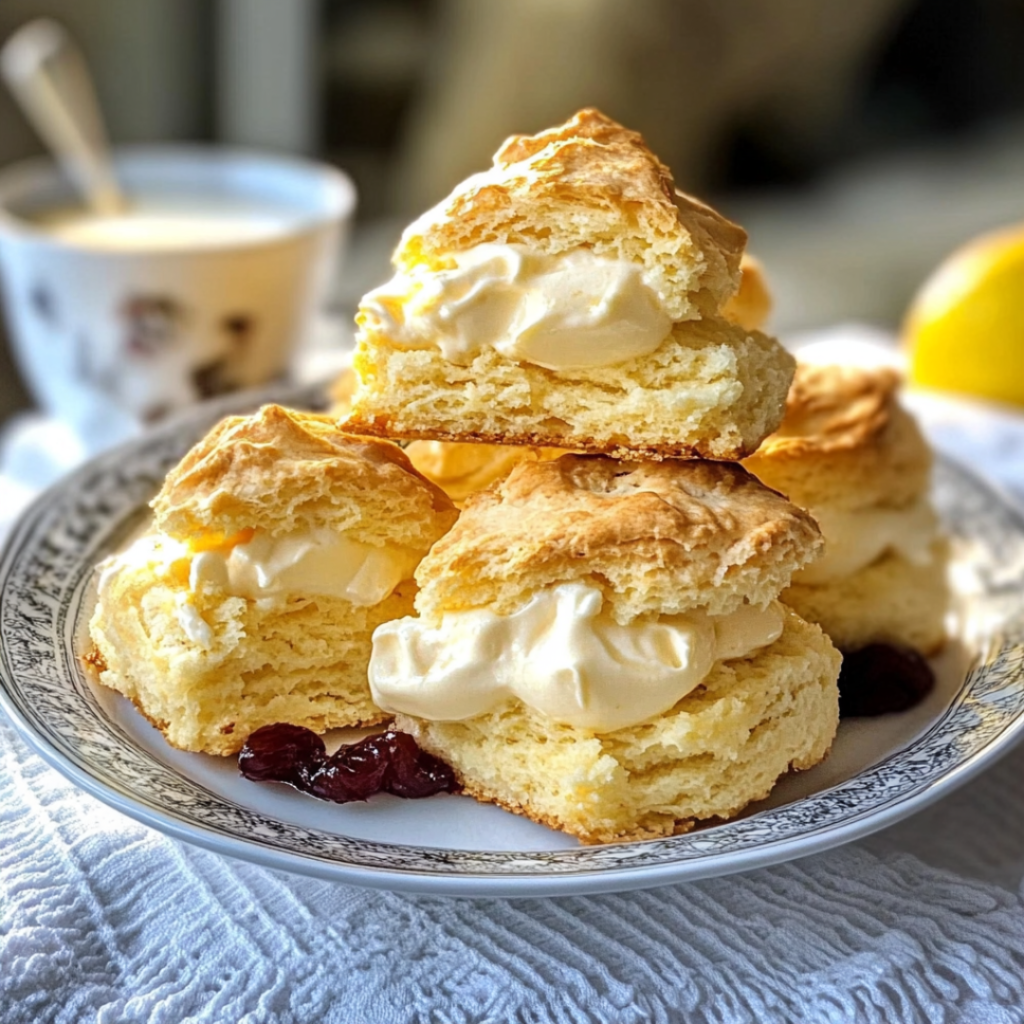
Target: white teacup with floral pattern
204 286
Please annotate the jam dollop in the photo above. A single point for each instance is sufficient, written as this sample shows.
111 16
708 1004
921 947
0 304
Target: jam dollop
880 679
389 762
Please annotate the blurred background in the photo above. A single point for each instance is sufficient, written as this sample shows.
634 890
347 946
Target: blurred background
857 142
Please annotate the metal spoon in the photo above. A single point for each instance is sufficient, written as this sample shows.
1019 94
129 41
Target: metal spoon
47 74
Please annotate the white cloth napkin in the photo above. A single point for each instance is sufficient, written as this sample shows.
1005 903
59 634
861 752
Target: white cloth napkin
102 919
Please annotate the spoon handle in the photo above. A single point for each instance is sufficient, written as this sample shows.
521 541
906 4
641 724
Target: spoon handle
49 77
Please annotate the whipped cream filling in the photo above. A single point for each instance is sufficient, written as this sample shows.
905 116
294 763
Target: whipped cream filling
562 655
570 311
855 539
315 563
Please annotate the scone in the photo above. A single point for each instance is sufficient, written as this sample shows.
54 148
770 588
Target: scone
849 453
278 545
599 646
569 297
752 303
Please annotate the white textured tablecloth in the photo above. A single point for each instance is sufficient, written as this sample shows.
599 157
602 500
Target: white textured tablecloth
102 919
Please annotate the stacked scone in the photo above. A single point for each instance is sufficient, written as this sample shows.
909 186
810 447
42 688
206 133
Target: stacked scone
569 297
278 545
598 642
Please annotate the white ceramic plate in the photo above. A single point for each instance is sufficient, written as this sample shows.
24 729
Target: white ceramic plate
880 770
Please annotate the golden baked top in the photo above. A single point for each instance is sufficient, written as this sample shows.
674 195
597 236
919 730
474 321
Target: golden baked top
589 182
279 470
657 537
845 441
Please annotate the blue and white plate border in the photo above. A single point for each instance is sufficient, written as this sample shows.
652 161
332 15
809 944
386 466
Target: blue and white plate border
44 575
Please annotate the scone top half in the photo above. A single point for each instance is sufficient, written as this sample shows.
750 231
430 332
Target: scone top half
609 589
591 185
656 538
290 497
845 440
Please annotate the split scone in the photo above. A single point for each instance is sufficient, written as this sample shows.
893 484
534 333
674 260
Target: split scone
600 646
569 297
849 453
278 545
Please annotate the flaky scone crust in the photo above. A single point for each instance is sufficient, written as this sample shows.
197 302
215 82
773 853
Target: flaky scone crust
280 470
657 537
589 161
845 441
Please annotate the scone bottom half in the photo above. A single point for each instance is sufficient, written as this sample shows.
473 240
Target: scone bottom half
278 545
569 297
585 571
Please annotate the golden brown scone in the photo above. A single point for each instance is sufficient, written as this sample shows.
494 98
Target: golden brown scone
587 573
660 537
721 747
278 470
857 461
279 545
463 469
712 390
568 298
751 305
845 441
588 182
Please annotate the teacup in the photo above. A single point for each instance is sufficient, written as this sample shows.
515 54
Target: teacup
204 286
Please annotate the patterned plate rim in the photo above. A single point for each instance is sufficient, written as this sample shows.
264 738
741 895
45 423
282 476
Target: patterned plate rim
44 572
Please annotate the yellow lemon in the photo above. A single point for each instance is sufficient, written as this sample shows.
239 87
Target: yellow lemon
965 328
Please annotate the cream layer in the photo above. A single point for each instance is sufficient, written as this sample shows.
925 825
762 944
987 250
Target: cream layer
317 563
570 311
855 539
562 655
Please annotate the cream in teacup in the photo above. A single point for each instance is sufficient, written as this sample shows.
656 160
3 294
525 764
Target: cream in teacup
155 223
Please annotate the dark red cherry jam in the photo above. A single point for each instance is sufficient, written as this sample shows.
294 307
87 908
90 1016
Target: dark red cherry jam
880 679
389 762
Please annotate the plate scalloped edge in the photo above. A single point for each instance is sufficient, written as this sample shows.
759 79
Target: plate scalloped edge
44 573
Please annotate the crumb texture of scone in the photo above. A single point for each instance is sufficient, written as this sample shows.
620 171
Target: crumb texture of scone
280 470
588 183
712 390
303 662
721 747
656 537
891 601
279 544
